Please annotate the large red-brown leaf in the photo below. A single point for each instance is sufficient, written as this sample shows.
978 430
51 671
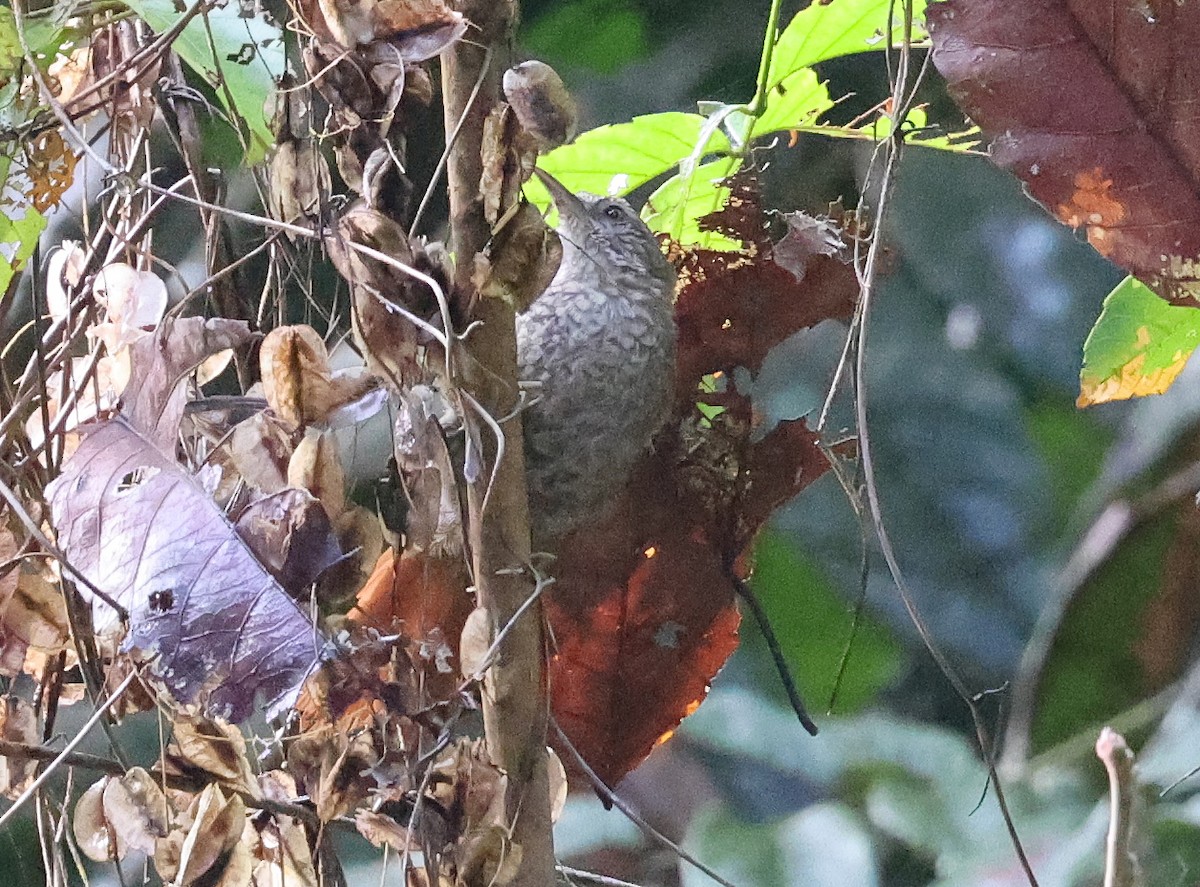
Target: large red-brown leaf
643 610
1092 104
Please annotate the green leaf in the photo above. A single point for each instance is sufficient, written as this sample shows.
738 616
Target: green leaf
616 159
20 227
798 101
246 54
813 624
676 208
824 31
824 845
917 132
1138 345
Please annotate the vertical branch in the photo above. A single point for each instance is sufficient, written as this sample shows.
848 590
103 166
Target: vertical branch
1120 863
514 696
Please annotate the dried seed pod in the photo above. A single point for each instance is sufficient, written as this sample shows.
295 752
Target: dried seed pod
542 104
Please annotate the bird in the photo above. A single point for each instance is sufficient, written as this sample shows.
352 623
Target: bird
598 346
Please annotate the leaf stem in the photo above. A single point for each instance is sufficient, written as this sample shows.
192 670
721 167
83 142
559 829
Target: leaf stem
759 103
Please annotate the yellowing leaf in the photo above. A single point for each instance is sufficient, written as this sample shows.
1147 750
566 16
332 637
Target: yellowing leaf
1138 346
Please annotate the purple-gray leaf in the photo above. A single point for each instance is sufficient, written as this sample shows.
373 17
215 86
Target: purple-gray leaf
217 627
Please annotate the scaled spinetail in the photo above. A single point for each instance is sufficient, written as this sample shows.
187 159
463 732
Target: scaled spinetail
600 341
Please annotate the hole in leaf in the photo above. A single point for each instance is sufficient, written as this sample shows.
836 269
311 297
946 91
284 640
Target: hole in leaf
134 479
162 601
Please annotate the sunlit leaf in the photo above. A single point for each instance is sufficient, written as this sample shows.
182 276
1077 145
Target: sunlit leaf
676 208
824 31
1138 346
618 158
245 54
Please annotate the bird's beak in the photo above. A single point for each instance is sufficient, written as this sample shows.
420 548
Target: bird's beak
568 205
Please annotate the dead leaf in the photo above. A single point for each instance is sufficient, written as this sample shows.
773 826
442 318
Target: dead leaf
18 723
93 832
136 811
316 466
154 399
216 826
218 628
434 522
215 747
333 768
542 104
290 534
301 387
643 607
298 182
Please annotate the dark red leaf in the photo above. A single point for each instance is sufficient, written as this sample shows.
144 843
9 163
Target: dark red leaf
643 609
1092 106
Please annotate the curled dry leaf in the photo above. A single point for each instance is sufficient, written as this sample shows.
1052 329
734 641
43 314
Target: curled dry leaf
18 723
301 387
425 598
33 618
316 466
290 534
434 524
521 259
212 827
334 768
50 166
298 182
134 809
93 832
215 747
509 156
542 104
217 626
281 854
420 29
155 398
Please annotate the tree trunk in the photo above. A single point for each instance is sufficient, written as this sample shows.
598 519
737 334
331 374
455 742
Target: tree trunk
514 698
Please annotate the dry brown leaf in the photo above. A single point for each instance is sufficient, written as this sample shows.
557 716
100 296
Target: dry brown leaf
258 450
136 811
316 466
290 533
521 260
216 747
283 856
434 523
217 823
542 104
298 382
93 832
332 767
298 182
18 723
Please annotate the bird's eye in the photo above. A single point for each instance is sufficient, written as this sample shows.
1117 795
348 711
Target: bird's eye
613 211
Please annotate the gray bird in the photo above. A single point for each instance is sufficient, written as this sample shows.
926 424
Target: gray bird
600 343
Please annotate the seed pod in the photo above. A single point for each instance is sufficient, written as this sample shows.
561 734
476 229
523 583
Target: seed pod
542 104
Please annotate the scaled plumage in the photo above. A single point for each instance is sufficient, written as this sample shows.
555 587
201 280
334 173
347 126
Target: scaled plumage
600 343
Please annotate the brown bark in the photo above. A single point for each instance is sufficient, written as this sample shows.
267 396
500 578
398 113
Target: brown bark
514 699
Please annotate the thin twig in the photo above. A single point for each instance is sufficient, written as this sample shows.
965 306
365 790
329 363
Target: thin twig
746 593
441 164
611 797
70 747
1120 864
867 277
